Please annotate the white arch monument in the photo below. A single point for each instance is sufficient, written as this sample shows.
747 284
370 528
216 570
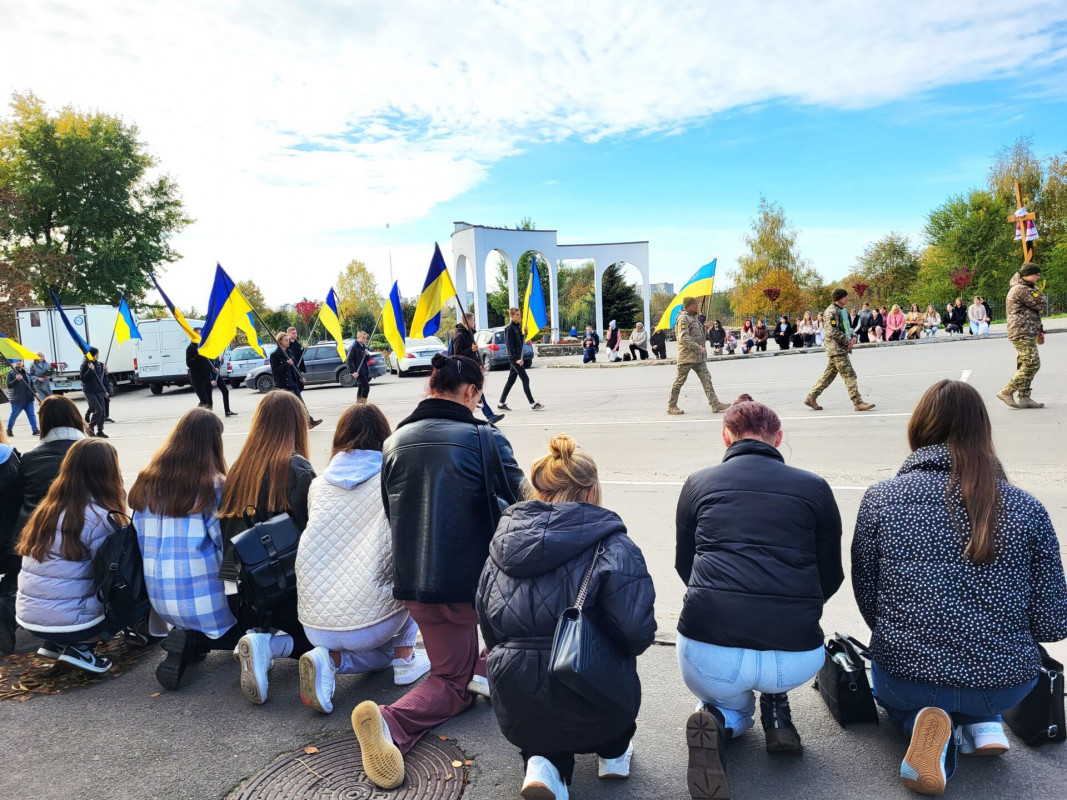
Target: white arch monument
472 244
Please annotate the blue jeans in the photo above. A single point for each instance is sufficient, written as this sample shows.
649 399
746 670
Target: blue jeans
18 408
727 677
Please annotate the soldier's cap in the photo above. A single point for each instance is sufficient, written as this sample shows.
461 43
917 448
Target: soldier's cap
1029 269
838 294
687 300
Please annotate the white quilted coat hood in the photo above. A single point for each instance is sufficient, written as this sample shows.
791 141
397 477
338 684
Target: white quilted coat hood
344 567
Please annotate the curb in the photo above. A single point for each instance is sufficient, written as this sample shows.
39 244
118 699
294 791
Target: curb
669 362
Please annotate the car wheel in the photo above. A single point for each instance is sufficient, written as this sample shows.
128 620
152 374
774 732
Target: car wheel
112 385
487 365
155 388
236 383
264 383
345 378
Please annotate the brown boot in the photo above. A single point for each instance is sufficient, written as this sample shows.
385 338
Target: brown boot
861 406
718 408
1008 398
674 410
1025 401
809 401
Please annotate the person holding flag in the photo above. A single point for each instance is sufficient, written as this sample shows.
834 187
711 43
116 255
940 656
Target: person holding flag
356 361
200 371
21 396
94 387
463 344
515 340
691 355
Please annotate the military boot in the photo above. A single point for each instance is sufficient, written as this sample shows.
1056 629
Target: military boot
1025 401
861 406
1007 397
674 410
811 403
782 736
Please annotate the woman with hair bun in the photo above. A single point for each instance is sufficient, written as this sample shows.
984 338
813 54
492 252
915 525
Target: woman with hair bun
538 558
759 548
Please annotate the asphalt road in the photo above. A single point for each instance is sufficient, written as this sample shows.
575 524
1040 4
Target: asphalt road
113 740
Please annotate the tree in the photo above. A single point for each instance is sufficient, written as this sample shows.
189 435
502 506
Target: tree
771 261
253 295
306 309
499 301
620 300
278 320
358 300
890 267
1017 163
577 298
84 201
657 304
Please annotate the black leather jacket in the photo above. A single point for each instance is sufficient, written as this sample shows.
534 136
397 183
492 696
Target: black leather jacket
37 471
199 366
10 499
513 340
433 490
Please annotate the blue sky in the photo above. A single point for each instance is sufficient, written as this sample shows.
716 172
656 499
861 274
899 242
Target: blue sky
298 131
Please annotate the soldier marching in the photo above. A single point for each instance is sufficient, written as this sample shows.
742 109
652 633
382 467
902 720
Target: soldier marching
838 340
1025 304
691 356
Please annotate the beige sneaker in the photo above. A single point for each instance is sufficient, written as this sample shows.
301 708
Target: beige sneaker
382 760
861 406
674 410
1008 398
718 408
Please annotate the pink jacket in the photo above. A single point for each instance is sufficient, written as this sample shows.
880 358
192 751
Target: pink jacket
894 322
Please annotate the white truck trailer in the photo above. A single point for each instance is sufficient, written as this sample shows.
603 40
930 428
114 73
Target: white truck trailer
161 353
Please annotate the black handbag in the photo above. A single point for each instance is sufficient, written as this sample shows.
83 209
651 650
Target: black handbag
587 661
842 681
1039 717
118 570
266 562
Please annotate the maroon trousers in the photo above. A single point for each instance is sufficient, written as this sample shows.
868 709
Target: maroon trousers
450 634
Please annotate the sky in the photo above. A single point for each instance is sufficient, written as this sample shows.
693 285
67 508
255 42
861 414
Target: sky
304 135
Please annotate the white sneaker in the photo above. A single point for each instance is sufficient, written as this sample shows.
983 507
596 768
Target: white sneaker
253 652
982 739
317 679
543 781
617 767
479 685
405 673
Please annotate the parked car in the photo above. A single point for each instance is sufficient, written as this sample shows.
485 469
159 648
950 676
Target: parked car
417 356
494 352
322 365
244 359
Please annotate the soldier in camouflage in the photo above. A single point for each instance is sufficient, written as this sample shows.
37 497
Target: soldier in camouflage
691 354
1025 305
838 339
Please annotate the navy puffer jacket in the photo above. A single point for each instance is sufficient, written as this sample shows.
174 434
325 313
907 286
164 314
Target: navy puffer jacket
537 560
936 617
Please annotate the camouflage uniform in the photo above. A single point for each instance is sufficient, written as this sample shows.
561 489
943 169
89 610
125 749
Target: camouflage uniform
836 341
690 335
1024 305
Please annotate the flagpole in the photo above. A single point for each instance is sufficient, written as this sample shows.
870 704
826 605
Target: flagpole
367 349
314 328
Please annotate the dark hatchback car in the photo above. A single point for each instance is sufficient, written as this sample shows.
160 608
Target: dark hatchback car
322 365
494 352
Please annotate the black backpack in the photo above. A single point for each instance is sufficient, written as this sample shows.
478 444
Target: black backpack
118 570
266 558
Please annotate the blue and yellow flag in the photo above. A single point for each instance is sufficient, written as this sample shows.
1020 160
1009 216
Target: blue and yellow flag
13 351
437 289
697 286
393 322
331 321
178 316
227 313
125 324
78 340
534 313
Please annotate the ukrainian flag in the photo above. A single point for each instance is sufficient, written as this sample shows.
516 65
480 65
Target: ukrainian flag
178 316
78 340
227 313
13 351
393 322
331 321
697 286
125 325
534 313
437 289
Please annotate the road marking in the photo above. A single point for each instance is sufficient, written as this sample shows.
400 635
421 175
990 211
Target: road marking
966 376
614 423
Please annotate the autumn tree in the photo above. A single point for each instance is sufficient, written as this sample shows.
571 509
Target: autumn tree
84 214
253 295
359 302
889 266
499 301
577 296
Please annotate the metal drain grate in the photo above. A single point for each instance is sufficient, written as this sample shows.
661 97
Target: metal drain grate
335 772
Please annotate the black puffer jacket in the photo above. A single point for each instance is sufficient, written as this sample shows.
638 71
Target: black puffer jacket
759 546
936 617
536 563
19 391
433 490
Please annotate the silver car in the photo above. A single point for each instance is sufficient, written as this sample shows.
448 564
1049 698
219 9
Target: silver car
244 359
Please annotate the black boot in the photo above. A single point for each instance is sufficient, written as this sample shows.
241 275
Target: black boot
7 624
183 648
707 736
782 736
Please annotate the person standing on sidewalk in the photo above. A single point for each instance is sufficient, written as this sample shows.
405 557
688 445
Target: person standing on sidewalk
94 387
691 354
1025 305
514 341
759 548
20 386
464 346
436 480
838 341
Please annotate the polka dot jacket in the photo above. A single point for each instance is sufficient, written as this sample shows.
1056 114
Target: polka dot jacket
936 617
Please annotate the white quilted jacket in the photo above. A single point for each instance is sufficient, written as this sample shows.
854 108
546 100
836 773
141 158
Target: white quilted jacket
344 566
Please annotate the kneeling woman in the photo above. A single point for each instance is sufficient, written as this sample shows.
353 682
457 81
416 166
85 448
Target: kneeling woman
539 556
958 574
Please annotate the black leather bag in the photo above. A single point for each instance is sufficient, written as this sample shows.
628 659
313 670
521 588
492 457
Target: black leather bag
587 661
842 681
266 562
1039 718
118 570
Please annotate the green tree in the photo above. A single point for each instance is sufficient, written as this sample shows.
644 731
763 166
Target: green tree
889 266
620 300
498 301
576 294
253 295
359 302
278 320
88 219
657 304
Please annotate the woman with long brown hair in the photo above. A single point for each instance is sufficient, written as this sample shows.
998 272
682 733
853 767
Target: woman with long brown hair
56 597
175 503
958 574
271 475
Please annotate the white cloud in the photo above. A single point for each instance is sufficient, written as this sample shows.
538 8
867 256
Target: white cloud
400 106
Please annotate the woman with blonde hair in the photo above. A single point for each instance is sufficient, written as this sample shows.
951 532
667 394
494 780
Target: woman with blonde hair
931 321
543 550
272 475
894 324
958 574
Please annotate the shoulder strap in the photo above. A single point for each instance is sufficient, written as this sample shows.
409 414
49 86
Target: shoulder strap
484 444
584 588
494 464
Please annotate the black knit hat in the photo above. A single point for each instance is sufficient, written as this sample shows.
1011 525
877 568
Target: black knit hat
1029 269
838 294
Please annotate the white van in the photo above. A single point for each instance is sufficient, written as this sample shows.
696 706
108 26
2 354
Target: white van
161 353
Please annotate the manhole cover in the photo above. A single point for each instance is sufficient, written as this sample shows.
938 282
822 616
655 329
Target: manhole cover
335 772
